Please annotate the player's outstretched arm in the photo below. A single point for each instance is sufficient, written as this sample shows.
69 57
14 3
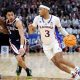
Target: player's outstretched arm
60 28
32 27
63 31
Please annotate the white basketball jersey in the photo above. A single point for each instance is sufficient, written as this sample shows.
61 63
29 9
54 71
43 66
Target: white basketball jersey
47 28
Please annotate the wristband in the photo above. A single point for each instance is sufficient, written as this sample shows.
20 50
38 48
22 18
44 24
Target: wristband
21 46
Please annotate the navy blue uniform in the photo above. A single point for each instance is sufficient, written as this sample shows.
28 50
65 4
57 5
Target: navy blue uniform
14 36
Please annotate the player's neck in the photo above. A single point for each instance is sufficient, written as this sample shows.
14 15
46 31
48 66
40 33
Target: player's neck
46 16
11 21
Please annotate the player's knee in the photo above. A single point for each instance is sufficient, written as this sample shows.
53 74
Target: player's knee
57 58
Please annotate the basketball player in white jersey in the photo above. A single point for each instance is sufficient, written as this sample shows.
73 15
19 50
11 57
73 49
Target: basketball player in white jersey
46 25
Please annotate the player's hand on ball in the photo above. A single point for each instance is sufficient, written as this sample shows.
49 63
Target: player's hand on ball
70 40
21 51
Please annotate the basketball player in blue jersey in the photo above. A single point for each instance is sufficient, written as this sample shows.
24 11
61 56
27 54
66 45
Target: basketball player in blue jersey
46 25
16 39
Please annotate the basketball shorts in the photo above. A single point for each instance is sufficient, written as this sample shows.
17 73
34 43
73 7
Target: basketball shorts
15 46
51 49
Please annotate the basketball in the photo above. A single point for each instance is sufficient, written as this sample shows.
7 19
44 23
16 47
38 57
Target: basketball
70 40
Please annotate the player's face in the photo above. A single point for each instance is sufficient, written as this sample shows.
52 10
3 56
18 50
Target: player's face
10 16
42 11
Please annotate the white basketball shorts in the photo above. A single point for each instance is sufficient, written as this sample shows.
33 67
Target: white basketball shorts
51 49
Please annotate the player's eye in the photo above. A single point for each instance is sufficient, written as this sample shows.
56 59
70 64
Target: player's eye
8 14
11 14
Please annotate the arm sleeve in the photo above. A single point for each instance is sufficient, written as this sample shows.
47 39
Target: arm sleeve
60 28
35 22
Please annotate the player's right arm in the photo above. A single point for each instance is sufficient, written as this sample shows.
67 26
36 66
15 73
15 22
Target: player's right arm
33 26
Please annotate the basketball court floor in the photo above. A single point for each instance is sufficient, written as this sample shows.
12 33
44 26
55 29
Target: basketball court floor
42 68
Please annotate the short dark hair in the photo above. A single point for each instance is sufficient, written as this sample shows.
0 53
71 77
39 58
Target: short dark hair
9 9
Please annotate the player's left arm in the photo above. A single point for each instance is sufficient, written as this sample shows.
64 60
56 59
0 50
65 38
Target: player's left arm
60 28
19 25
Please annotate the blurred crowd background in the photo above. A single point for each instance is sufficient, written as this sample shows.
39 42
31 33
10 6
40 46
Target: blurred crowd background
67 10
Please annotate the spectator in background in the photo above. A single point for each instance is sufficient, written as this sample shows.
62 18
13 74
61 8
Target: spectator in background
69 30
64 22
78 35
68 7
74 31
69 23
75 21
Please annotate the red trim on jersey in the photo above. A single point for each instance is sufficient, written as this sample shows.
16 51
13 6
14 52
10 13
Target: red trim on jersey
14 48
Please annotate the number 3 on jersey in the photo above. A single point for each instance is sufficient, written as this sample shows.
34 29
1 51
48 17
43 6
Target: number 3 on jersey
47 33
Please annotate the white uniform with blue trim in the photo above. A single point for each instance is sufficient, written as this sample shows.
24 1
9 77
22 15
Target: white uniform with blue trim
46 28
